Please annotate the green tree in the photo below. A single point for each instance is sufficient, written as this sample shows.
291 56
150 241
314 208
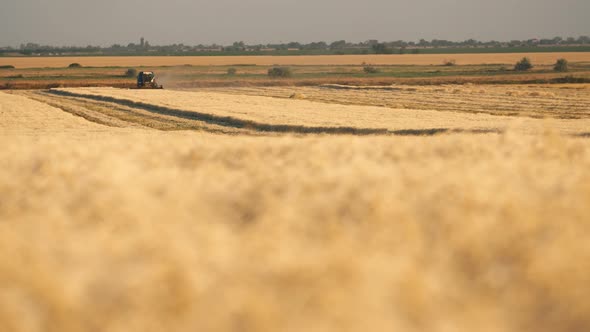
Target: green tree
370 69
279 72
561 65
381 48
523 65
131 72
340 44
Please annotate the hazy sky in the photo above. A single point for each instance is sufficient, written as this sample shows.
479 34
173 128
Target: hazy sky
104 22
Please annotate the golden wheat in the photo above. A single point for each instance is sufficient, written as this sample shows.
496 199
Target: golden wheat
121 229
281 111
556 101
397 59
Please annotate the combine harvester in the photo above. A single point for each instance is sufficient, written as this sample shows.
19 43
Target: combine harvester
147 80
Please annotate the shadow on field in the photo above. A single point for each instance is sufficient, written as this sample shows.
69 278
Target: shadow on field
435 131
228 121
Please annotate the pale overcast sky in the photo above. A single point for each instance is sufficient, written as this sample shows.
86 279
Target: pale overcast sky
104 22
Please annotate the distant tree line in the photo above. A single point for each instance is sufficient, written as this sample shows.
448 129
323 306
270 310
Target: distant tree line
336 47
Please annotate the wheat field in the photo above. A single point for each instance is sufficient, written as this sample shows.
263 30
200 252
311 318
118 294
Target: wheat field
392 59
385 109
571 101
244 210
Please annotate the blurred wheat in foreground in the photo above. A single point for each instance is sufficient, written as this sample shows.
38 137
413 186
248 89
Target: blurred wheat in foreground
201 232
134 229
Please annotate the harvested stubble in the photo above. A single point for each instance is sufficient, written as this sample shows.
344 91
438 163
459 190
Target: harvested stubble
553 101
23 116
149 231
275 114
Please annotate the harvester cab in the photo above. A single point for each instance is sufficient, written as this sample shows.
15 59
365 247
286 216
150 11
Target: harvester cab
147 80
